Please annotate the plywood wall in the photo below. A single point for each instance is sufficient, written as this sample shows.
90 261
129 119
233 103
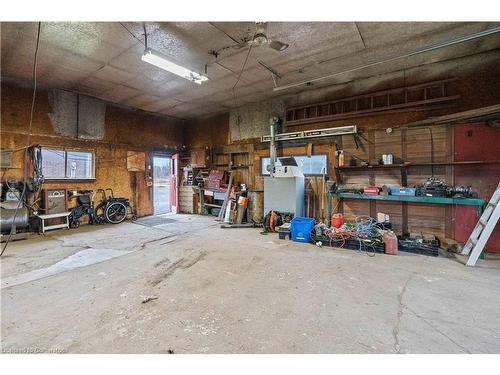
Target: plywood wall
125 131
407 145
476 89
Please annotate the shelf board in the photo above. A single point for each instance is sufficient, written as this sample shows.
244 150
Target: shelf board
197 189
233 166
473 162
414 199
378 166
241 166
409 164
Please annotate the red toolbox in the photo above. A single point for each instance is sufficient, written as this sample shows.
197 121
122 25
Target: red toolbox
216 180
371 190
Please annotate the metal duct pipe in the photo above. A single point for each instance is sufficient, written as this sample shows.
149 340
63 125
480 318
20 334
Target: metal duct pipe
273 122
417 52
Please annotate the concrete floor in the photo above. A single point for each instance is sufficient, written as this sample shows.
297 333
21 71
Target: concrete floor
236 291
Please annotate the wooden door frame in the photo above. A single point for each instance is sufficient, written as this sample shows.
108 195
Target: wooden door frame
174 183
160 154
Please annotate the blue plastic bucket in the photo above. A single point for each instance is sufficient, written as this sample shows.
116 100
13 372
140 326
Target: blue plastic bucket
301 228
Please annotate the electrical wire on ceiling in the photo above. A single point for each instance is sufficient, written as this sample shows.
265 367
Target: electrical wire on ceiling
238 80
222 31
28 140
131 33
241 72
145 35
243 67
215 53
429 48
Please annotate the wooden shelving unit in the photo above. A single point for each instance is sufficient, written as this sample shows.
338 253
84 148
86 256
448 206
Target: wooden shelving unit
201 197
479 203
404 166
238 159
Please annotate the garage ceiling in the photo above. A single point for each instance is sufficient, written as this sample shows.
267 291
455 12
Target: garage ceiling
104 59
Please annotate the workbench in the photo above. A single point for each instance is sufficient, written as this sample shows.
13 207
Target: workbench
415 199
479 203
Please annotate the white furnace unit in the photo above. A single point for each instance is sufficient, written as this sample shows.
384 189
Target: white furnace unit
284 189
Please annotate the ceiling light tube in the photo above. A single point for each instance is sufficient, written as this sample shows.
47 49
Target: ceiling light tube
159 60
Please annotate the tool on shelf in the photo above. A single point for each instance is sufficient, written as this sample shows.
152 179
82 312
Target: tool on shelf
433 187
371 190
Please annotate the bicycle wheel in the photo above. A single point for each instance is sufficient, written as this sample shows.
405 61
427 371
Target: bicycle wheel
115 212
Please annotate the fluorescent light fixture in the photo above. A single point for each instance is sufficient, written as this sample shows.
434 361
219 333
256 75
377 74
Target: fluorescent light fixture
349 129
157 59
326 132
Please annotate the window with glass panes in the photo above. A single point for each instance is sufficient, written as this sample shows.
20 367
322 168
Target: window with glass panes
309 165
60 163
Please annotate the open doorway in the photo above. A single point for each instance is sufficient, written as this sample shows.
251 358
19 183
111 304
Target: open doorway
161 184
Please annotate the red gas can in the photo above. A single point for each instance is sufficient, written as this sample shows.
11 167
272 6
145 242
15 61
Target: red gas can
337 220
391 243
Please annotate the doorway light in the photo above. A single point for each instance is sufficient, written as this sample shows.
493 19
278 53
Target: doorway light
157 59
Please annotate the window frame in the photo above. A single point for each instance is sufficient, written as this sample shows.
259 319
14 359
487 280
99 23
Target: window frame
66 150
285 156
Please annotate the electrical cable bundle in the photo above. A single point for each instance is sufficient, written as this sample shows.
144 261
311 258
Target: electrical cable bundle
36 157
363 235
366 226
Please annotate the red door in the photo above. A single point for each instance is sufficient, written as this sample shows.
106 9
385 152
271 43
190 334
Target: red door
476 142
174 184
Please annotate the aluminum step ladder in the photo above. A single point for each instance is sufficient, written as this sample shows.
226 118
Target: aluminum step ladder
484 227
